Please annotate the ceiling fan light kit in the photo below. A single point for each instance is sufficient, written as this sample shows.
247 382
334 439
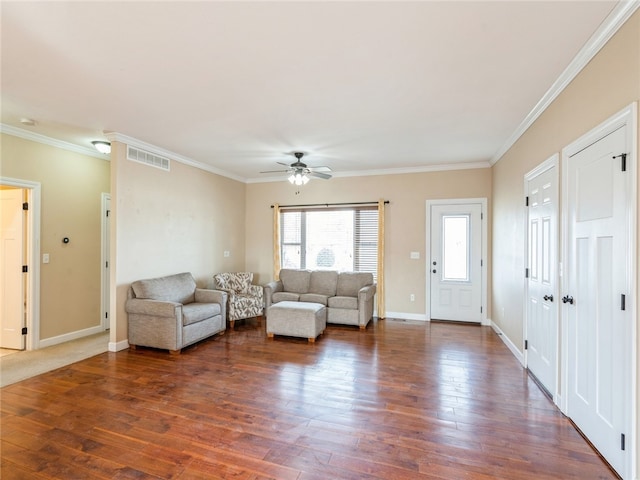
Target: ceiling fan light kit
300 173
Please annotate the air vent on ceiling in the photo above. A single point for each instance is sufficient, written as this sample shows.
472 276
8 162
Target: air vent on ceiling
148 158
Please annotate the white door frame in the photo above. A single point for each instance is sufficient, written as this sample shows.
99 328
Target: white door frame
484 225
105 284
549 163
626 118
33 257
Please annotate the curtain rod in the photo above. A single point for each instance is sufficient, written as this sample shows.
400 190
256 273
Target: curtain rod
330 204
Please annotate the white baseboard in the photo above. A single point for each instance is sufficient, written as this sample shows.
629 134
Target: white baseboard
48 342
407 316
487 322
117 346
510 345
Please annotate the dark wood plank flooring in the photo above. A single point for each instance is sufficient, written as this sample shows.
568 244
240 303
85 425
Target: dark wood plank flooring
399 400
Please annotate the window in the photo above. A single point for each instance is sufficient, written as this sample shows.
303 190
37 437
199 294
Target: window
342 239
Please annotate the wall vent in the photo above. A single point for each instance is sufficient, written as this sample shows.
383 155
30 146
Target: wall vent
148 158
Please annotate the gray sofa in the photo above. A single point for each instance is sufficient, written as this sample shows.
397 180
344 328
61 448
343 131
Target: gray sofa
348 296
171 312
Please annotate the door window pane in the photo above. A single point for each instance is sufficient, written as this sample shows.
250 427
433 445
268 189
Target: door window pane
455 246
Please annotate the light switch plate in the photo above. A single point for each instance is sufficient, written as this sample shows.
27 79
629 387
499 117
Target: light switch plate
45 258
227 253
415 255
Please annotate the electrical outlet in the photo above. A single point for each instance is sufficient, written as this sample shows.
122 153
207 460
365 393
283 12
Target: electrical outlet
45 258
227 253
414 255
412 297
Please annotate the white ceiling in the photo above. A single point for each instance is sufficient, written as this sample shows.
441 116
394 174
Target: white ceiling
359 86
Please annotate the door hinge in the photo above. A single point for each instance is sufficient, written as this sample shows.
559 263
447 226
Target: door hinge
480 309
24 330
526 344
526 273
623 161
481 263
25 268
108 211
622 441
106 314
526 201
481 216
623 302
25 206
106 264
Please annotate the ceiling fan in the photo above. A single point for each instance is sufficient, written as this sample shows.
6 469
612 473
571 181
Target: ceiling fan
299 172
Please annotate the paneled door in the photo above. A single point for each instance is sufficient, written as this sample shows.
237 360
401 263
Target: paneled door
11 276
456 262
542 299
598 300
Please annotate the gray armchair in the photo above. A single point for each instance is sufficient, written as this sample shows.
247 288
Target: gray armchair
171 312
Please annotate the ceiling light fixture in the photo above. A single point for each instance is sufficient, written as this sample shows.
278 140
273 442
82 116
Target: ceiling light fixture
298 178
102 146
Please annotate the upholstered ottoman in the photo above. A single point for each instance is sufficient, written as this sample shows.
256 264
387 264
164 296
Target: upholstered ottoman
297 319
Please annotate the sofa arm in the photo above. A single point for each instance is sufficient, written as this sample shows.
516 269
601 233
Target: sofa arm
366 293
156 308
204 295
269 289
256 291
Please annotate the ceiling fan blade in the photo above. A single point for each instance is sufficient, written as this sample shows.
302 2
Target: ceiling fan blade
322 168
282 163
324 176
277 171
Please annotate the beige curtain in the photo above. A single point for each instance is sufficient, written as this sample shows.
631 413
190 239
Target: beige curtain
380 287
276 242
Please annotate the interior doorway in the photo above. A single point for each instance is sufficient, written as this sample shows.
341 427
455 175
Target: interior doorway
30 280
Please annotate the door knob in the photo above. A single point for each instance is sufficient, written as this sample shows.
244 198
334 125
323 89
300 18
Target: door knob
567 299
548 297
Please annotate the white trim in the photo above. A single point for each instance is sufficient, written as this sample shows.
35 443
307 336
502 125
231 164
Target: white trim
67 337
36 137
510 345
618 16
625 118
406 316
133 142
33 241
104 255
484 252
118 346
549 163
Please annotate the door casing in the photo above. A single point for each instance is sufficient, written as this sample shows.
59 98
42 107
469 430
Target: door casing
33 257
626 118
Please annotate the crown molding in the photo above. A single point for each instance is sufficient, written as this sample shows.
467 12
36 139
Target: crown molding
134 142
52 142
618 16
390 171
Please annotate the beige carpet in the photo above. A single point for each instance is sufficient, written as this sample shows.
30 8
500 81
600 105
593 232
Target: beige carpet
21 365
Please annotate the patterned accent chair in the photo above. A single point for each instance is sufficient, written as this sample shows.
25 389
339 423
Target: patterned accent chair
244 299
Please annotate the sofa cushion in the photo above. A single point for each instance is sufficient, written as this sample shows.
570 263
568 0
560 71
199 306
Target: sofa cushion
296 281
323 282
350 303
285 297
314 298
196 312
178 288
349 283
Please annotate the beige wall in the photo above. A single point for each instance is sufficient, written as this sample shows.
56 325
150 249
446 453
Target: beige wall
171 222
609 83
404 226
72 185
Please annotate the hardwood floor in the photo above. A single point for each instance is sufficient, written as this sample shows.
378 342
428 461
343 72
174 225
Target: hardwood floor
399 400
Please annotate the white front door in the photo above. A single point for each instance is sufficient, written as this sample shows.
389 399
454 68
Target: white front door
11 276
598 296
456 262
542 299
